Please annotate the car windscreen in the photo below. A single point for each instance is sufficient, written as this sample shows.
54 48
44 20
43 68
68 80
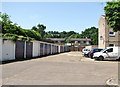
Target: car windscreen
103 50
100 50
97 50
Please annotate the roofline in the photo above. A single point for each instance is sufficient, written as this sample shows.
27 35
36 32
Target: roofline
71 39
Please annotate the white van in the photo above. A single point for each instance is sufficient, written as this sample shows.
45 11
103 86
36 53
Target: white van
110 53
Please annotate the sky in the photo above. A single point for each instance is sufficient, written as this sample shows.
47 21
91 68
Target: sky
56 16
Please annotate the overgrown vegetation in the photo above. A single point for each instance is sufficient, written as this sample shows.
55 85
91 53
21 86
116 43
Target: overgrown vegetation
91 33
12 31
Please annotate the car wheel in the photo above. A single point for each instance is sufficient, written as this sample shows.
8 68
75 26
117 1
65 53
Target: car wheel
101 58
96 58
84 55
91 57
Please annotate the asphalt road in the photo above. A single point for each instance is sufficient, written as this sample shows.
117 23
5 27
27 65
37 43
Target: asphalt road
62 69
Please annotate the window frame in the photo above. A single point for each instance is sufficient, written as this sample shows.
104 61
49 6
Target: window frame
109 49
111 35
111 45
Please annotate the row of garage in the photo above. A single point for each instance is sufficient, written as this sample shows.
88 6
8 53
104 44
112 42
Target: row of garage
21 50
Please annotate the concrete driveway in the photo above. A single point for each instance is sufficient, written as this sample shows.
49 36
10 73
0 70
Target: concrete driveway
62 69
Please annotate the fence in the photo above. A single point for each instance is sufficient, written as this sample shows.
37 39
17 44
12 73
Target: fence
91 46
78 48
21 50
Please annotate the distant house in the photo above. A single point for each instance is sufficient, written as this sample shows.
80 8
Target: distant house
75 43
107 37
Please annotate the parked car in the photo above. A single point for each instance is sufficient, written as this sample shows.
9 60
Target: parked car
85 52
111 53
94 50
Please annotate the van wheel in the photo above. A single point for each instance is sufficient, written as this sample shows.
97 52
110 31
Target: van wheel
101 58
96 58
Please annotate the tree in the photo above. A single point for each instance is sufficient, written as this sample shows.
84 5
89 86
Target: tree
12 31
4 18
7 25
112 11
34 28
5 22
91 33
70 33
77 35
63 34
41 29
67 39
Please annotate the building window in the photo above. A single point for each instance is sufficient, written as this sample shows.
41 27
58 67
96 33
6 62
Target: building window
84 41
101 38
56 41
81 42
111 34
72 41
76 41
111 45
87 42
62 41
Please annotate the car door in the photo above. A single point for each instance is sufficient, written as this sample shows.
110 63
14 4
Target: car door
115 53
110 53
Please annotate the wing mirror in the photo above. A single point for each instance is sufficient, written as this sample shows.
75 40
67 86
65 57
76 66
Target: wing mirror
105 52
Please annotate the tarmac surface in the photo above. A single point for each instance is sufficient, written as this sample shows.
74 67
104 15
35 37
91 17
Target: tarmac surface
62 69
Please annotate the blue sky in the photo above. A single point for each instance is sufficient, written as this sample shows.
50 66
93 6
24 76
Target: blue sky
56 16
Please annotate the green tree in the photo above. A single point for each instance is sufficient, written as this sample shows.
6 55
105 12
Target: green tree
91 33
68 39
4 18
63 34
41 29
112 11
12 31
70 33
53 34
5 22
34 28
7 25
77 35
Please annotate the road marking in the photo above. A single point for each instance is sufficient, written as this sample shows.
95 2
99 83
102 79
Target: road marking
111 82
